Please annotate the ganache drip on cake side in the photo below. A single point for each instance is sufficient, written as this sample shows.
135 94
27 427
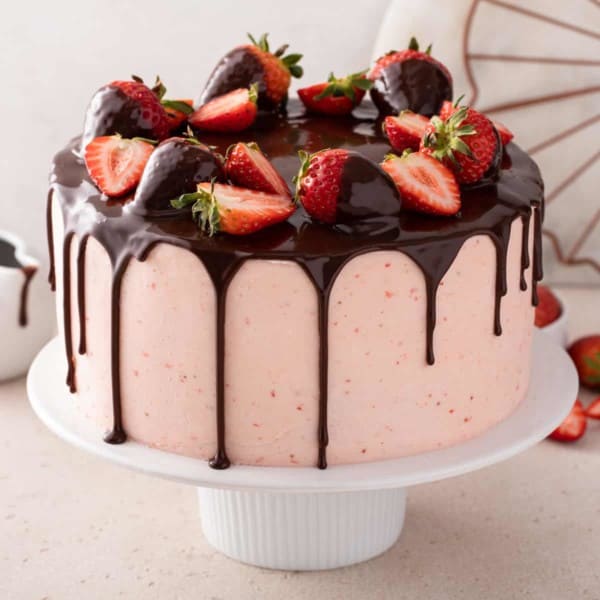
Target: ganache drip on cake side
9 260
321 251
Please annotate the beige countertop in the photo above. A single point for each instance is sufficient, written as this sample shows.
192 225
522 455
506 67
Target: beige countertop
73 527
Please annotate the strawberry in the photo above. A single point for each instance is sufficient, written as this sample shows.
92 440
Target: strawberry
255 63
246 166
235 210
128 108
324 187
425 184
593 410
178 111
410 79
337 96
116 164
506 135
447 108
234 111
573 427
405 130
465 141
176 167
548 308
585 353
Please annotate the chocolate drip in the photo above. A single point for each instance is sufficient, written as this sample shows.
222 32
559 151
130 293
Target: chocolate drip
538 271
434 262
221 272
28 273
500 238
81 293
321 251
526 218
117 434
67 312
49 233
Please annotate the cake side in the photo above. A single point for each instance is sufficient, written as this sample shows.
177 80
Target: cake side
382 395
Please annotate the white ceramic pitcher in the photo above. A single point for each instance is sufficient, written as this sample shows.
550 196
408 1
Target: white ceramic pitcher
26 317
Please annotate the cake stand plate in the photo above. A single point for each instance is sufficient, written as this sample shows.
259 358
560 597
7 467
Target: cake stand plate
304 518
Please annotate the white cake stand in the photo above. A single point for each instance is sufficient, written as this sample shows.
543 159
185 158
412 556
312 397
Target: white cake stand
303 518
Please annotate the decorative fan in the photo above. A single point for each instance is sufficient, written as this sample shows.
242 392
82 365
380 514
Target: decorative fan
534 65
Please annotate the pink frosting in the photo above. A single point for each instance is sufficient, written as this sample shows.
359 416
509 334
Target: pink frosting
384 400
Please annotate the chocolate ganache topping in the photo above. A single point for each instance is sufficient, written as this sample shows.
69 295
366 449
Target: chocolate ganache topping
321 251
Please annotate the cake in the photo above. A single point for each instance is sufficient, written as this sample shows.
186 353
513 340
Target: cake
388 313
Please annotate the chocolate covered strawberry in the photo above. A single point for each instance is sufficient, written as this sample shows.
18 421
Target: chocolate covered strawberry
466 141
405 131
246 166
230 209
548 308
425 184
410 79
176 167
255 63
128 108
234 111
116 164
336 96
585 353
573 427
330 186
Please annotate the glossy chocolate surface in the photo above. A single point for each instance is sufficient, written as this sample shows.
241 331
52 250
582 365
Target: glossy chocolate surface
237 69
414 84
112 111
174 168
8 257
320 250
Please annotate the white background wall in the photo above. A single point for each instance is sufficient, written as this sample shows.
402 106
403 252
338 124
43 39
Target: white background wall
55 54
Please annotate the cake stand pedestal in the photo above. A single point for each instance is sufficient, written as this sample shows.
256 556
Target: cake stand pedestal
304 518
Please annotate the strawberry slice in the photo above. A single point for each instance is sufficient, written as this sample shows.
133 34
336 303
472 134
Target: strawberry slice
234 111
248 167
424 183
177 111
116 164
235 210
405 131
573 427
593 410
503 131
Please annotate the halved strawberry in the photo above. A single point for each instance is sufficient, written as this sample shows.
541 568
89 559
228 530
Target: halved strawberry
405 131
424 183
116 164
235 210
178 111
593 410
503 131
336 96
234 111
248 167
573 427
